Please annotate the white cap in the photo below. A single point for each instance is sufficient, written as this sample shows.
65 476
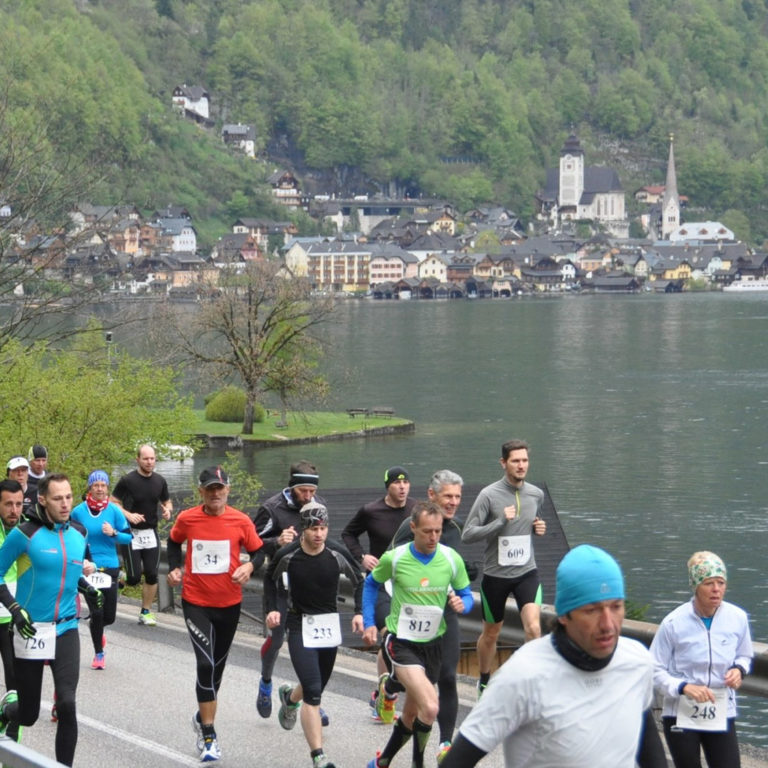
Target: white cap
17 461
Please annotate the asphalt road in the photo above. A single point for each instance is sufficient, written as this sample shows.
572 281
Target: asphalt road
137 711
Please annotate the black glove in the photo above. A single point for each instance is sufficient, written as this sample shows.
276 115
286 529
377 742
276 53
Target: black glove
22 621
94 597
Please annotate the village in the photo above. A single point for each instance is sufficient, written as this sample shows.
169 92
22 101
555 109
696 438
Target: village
403 248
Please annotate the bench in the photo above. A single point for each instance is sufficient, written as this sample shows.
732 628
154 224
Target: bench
383 411
357 412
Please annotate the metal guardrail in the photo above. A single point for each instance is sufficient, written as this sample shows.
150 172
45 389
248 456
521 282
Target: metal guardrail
755 684
13 755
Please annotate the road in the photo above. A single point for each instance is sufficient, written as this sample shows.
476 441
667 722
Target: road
137 711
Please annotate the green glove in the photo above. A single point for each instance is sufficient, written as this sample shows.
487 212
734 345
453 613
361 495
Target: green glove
22 621
95 598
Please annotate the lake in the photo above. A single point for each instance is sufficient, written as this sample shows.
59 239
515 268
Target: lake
647 417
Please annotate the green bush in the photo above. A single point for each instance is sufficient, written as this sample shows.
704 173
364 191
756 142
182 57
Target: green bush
227 404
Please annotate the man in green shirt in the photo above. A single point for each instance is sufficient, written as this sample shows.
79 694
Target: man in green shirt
425 575
11 506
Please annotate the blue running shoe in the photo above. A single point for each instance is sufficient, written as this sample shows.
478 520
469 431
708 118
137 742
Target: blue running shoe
264 699
325 721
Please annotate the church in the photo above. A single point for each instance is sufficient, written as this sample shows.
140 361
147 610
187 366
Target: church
578 192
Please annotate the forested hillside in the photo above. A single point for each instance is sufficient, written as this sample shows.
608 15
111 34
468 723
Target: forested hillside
399 90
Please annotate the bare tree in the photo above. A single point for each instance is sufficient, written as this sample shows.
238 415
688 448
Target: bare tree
259 327
38 188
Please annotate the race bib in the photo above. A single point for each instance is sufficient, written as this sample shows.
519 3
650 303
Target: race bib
704 716
419 623
143 538
40 647
323 630
99 579
210 556
514 550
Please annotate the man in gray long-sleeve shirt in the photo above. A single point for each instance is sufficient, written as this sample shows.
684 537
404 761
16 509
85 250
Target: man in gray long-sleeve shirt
504 515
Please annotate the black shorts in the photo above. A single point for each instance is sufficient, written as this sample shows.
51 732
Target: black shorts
495 591
404 653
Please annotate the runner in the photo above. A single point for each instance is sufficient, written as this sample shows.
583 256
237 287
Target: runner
44 610
425 576
277 523
138 494
380 520
107 528
11 507
703 652
312 566
212 590
445 491
504 515
579 698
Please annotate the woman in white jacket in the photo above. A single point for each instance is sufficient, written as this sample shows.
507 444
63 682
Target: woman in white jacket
702 652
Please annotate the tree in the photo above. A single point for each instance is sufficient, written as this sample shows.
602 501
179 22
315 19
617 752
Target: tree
89 404
258 327
37 191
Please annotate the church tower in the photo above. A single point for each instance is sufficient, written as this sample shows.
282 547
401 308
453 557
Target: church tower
670 204
571 177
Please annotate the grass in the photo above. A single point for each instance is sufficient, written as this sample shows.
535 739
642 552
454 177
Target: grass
306 424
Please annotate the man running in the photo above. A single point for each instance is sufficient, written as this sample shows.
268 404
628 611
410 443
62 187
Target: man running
504 515
11 507
312 566
138 495
578 697
425 576
445 491
380 520
44 610
212 590
277 523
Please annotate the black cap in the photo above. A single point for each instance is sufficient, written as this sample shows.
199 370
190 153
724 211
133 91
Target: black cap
37 452
213 476
395 473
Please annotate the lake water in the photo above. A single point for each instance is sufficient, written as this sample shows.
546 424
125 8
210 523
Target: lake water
647 417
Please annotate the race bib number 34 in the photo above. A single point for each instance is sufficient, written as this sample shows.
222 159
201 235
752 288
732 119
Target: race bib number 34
40 647
514 550
210 556
419 623
704 716
323 630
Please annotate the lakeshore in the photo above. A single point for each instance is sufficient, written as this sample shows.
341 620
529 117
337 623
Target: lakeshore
301 428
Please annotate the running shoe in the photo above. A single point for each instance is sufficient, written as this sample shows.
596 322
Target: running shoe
198 729
443 750
147 618
385 705
210 750
481 689
98 661
264 698
9 697
322 761
54 714
325 721
375 762
286 715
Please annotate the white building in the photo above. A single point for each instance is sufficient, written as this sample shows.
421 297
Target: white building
579 192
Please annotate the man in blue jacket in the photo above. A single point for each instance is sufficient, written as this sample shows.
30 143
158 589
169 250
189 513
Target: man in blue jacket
49 551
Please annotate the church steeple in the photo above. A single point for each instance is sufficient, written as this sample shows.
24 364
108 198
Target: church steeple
670 204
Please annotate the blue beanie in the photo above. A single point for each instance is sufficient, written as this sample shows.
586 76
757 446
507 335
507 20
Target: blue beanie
98 475
586 575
